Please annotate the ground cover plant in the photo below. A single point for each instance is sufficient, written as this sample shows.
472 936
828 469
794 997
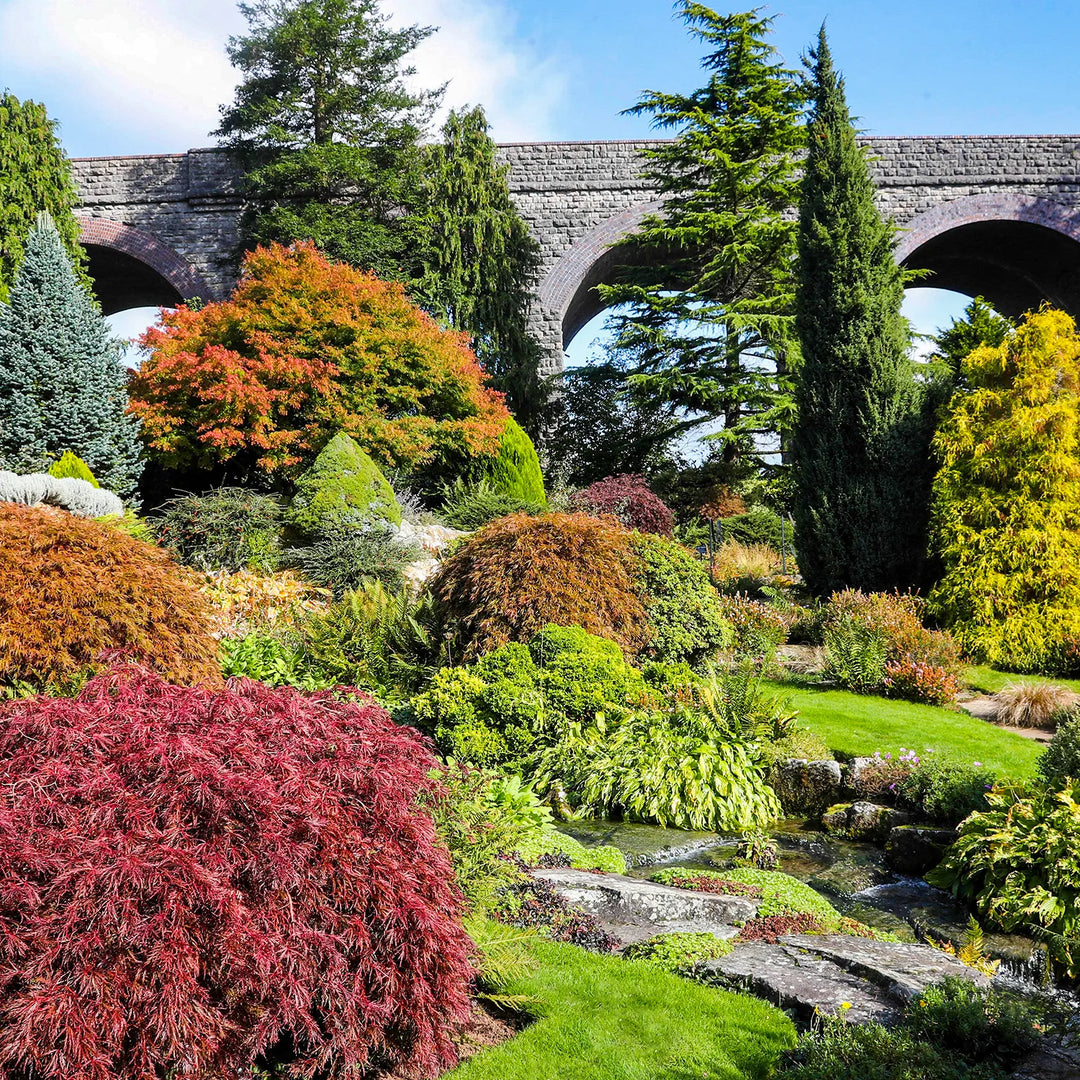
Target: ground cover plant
603 1018
290 906
72 589
857 725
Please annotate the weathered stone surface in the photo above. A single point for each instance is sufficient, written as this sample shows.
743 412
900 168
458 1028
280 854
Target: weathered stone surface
903 971
806 788
632 933
434 539
622 900
914 849
863 820
846 877
796 980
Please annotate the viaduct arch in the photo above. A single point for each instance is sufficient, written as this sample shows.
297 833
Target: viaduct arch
991 215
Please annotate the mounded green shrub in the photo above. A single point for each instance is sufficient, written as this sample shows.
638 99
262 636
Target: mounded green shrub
69 464
683 610
342 483
516 471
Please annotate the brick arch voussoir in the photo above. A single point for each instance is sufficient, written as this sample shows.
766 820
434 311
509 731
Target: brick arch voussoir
150 251
972 209
560 285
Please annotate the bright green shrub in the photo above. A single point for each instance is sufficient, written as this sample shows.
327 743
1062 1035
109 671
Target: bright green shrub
1018 863
678 953
665 766
69 464
759 526
497 708
681 606
343 484
224 529
516 470
1006 499
269 659
944 789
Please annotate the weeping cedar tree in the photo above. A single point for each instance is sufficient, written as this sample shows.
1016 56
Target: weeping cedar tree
329 130
861 440
710 289
34 175
62 385
479 261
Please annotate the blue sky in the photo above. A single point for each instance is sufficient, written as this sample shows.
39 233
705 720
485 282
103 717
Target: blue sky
147 76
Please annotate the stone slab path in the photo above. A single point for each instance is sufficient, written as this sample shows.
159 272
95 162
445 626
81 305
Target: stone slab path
807 973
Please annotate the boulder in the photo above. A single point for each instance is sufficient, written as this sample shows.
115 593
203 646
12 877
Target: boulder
863 820
846 877
806 788
434 539
913 849
622 900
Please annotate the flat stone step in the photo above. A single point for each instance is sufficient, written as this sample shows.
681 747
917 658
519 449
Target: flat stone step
902 970
622 900
633 933
803 982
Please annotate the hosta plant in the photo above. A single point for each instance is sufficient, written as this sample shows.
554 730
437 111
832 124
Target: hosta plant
1018 864
198 882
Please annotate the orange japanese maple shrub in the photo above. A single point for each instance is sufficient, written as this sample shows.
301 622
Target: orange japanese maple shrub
520 573
72 589
303 349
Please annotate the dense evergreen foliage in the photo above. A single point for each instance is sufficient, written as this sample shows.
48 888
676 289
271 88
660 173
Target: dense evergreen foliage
860 443
980 325
479 261
329 128
1006 521
710 290
61 379
34 175
516 471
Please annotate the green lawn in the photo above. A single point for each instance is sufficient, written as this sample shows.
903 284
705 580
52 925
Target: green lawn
858 724
602 1018
990 681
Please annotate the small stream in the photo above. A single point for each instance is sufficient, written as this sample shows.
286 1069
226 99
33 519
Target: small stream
853 876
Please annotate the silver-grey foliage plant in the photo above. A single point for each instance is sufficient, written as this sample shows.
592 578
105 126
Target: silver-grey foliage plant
67 493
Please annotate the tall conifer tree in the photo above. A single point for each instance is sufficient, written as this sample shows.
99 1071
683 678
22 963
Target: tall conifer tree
329 128
479 259
709 324
861 444
62 385
34 175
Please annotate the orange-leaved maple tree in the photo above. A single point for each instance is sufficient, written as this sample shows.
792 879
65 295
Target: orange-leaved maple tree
303 349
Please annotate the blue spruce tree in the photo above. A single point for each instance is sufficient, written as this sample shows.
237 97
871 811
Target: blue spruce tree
62 386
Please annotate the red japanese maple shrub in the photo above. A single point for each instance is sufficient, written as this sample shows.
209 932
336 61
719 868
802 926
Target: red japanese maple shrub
629 498
195 880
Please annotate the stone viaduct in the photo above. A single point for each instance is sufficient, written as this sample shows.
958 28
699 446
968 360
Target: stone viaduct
997 216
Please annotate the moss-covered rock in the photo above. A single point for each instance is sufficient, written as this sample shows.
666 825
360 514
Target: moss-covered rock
343 482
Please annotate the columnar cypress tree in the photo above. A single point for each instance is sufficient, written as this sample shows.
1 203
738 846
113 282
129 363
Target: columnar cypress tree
62 386
860 445
34 175
479 259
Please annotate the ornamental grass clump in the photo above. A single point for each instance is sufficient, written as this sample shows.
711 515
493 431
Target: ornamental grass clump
72 589
1033 705
202 883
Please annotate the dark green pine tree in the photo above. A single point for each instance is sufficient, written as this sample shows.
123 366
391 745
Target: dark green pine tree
710 293
329 130
62 385
34 175
479 261
861 442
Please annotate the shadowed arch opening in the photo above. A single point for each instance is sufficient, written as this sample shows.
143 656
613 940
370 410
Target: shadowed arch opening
133 269
1015 250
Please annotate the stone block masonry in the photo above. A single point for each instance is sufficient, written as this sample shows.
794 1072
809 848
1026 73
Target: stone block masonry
579 197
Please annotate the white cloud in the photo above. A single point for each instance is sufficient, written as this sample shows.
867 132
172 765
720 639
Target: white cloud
156 70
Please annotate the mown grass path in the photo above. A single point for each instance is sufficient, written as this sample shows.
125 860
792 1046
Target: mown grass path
602 1018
